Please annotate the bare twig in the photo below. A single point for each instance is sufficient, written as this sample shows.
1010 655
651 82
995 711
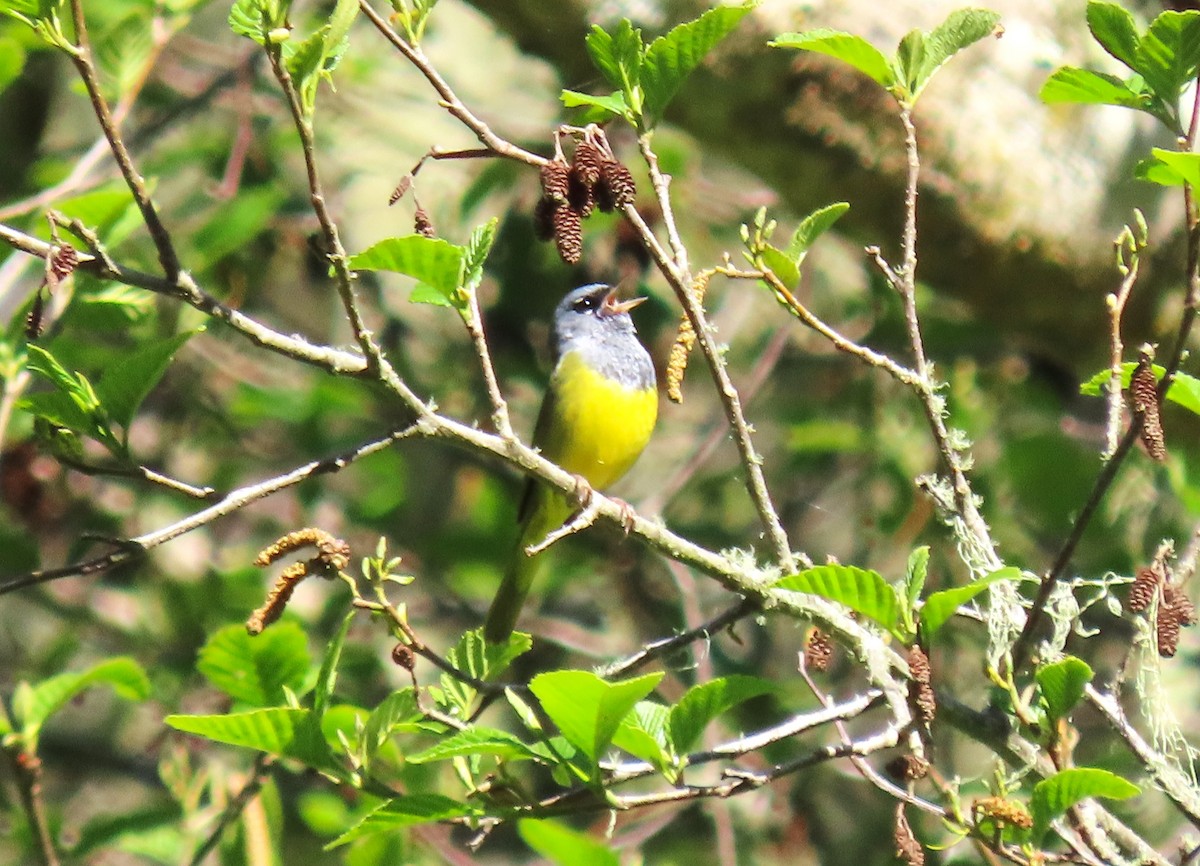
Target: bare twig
81 56
27 768
474 322
1127 248
704 631
146 474
235 807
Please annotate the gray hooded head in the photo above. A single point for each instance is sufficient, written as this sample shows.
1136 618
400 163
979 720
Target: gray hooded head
591 321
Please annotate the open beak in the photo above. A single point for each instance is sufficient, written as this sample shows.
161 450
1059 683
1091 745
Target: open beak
611 306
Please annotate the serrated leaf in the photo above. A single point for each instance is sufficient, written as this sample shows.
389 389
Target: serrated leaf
616 53
256 670
813 226
1170 168
59 409
405 812
614 103
703 703
961 29
88 416
476 253
940 606
1052 797
397 712
256 18
643 734
1168 55
1114 28
279 731
482 660
1075 85
670 58
476 741
1062 685
859 589
564 846
433 261
126 384
36 703
1184 390
847 47
586 709
327 676
341 19
910 57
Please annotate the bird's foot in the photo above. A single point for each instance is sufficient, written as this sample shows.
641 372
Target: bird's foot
628 515
582 493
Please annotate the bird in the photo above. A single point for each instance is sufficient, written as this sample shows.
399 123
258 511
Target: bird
596 418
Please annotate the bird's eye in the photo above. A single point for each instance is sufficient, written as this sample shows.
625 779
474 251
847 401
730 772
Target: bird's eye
585 303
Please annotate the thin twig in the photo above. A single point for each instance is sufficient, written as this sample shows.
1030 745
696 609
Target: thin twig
82 58
27 768
1116 310
234 808
145 473
704 631
474 322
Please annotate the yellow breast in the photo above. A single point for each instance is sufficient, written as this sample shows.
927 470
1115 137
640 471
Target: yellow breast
599 426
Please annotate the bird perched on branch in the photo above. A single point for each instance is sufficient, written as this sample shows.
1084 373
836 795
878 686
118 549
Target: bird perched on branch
596 418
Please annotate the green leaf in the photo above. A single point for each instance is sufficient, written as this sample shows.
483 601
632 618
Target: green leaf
587 709
940 606
405 812
12 61
614 103
1062 685
482 660
703 703
340 21
124 385
915 573
256 670
1170 168
397 712
812 227
280 731
643 734
476 741
33 705
256 18
848 48
1168 55
670 58
1113 27
327 677
476 253
1184 390
304 65
564 846
783 266
962 28
88 415
910 58
433 261
618 55
1052 797
859 589
1072 84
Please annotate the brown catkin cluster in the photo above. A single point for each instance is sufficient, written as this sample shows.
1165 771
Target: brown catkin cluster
1002 811
333 555
818 650
921 695
570 192
1143 390
685 339
908 849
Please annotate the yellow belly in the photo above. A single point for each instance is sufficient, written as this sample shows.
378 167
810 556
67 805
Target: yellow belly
599 426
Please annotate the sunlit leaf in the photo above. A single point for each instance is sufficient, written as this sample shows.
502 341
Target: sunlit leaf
255 670
859 589
855 50
704 702
1072 84
405 812
586 709
1052 797
33 705
1115 30
564 846
940 606
1062 685
476 741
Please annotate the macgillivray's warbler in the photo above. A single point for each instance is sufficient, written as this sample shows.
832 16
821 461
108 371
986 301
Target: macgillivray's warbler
596 418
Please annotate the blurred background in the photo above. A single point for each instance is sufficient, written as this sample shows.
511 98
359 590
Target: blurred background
1019 207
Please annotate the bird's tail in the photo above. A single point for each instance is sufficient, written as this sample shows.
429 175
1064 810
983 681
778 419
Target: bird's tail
510 598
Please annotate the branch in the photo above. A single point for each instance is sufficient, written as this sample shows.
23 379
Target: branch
235 807
27 768
82 58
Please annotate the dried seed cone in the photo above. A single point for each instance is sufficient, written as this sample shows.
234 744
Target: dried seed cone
1167 631
587 163
581 196
63 260
1143 388
908 848
1141 593
543 219
1177 600
616 185
422 224
908 768
556 181
818 650
921 694
568 234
